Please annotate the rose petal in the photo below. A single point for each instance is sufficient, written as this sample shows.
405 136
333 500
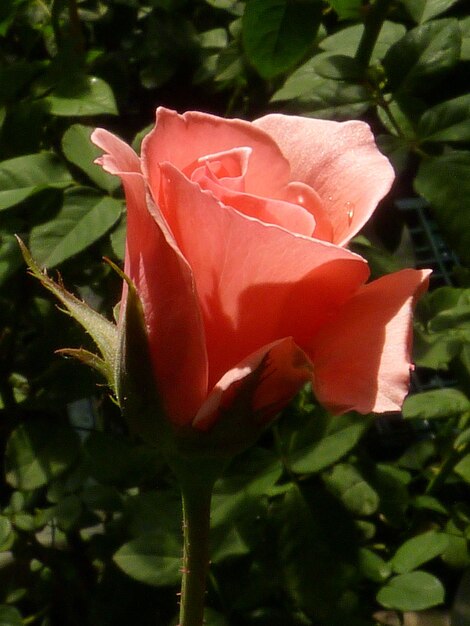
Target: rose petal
183 139
340 161
362 357
290 216
118 157
259 386
256 282
302 194
227 168
164 282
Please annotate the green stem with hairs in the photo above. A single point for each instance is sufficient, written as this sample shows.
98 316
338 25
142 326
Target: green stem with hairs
196 527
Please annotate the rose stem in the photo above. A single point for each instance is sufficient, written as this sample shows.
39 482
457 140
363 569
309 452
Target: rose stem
372 27
196 526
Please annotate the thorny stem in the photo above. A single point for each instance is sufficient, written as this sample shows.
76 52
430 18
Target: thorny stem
196 525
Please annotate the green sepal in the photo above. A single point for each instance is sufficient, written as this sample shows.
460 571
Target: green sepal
103 332
90 359
136 387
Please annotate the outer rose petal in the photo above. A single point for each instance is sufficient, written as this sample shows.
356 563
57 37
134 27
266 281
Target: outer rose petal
340 161
165 286
119 156
362 357
277 372
256 282
182 139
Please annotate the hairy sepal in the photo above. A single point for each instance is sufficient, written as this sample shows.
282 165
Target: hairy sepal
103 332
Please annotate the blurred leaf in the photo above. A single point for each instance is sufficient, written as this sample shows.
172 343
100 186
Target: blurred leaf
84 218
324 97
457 318
302 82
153 559
38 451
414 591
429 503
347 9
227 543
340 67
112 460
444 182
445 298
118 238
102 498
6 535
23 129
355 493
252 475
397 149
10 256
448 121
22 176
418 455
372 566
15 76
390 484
158 71
213 618
435 350
67 512
315 556
424 10
82 95
465 31
463 468
422 53
324 440
380 260
229 63
215 38
346 40
436 404
153 509
232 6
418 550
456 554
9 616
277 33
80 151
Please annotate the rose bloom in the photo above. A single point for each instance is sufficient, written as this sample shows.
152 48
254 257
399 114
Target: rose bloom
235 244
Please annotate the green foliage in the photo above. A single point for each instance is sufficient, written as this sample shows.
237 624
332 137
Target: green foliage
422 54
278 33
443 181
327 520
25 175
37 452
412 592
154 559
84 218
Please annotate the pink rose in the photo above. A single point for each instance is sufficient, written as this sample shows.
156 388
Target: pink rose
235 245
